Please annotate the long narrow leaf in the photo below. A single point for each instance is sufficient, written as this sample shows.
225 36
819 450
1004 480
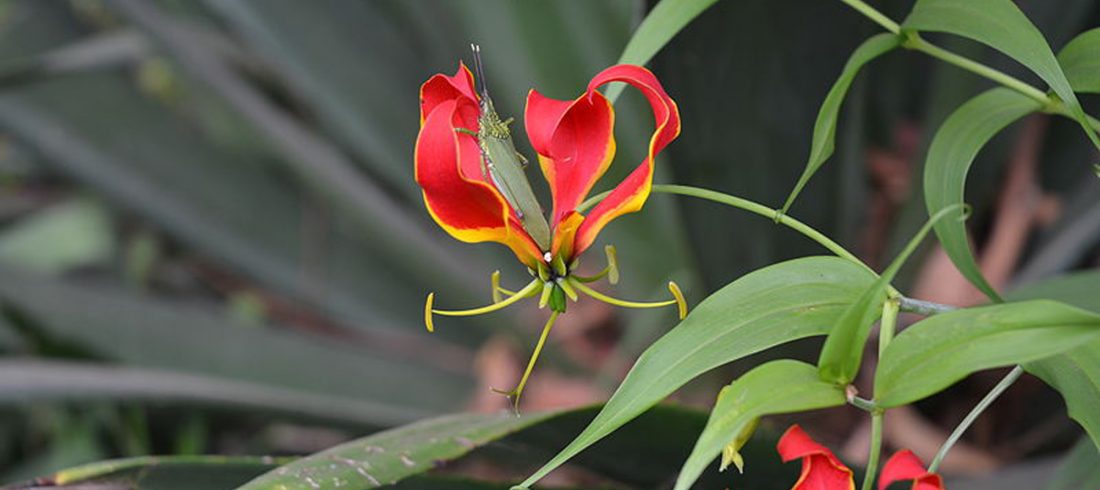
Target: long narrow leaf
781 386
952 152
777 304
823 143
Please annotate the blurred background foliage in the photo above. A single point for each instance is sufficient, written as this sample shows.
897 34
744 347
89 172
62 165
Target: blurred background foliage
211 241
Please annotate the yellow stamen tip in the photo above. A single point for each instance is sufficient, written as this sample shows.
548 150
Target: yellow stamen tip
681 303
612 264
428 312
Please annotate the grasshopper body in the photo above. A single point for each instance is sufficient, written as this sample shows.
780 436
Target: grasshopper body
503 165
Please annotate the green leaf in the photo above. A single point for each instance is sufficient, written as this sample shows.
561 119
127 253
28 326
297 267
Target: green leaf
1080 61
164 472
1079 469
1074 373
36 381
952 152
667 19
782 386
121 326
843 350
1000 25
389 456
70 234
786 301
822 146
938 351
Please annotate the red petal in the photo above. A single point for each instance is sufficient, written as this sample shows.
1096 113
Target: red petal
441 88
904 465
575 144
630 195
821 470
469 209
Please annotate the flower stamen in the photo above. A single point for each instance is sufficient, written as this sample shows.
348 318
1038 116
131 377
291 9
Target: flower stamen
611 270
515 393
677 300
530 288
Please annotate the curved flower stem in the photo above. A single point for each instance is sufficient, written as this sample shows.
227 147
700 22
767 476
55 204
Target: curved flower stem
870 12
761 210
988 400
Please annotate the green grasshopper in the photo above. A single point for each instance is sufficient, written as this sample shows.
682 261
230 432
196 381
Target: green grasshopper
503 165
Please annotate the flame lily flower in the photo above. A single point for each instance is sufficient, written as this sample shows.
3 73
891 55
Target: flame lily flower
474 186
904 465
821 470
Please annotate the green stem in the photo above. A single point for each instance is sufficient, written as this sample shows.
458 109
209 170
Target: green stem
870 12
761 210
921 307
1003 385
876 450
915 42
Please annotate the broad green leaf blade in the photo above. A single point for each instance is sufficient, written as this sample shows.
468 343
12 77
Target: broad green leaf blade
1079 469
950 155
162 472
36 381
389 456
1081 63
843 350
70 234
1074 373
1001 25
782 386
823 144
667 19
122 326
938 351
776 304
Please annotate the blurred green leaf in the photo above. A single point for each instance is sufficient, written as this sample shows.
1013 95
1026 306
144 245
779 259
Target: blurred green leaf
155 472
1076 372
1080 469
953 149
823 143
66 235
1000 25
1080 62
781 386
390 456
32 380
776 304
125 327
940 350
843 350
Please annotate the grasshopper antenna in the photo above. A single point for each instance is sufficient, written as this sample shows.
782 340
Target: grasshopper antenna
478 69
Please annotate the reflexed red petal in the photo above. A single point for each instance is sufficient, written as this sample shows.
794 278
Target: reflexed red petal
575 144
630 195
442 88
469 209
821 470
904 465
